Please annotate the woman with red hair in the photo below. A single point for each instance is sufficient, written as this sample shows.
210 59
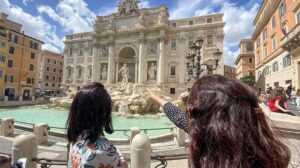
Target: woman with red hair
227 127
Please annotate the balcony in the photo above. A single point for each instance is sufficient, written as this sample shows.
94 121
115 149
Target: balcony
3 33
292 40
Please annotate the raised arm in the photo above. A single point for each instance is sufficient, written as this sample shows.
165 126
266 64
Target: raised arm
179 118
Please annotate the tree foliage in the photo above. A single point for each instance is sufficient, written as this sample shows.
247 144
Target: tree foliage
249 79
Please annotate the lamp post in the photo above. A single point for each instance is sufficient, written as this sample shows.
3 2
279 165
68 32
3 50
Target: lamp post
194 65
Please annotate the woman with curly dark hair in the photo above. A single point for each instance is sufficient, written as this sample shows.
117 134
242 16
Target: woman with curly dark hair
90 115
227 127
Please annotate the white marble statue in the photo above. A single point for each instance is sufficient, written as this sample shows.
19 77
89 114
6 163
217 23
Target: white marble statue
134 7
110 25
125 73
104 73
142 19
163 16
152 72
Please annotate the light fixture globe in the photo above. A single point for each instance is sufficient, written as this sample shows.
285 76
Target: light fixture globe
194 49
199 42
217 55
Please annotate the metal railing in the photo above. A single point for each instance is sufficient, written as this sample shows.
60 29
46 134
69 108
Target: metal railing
163 159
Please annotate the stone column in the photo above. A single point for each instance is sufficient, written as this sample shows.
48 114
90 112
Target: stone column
111 67
96 62
161 61
137 74
117 71
181 64
141 58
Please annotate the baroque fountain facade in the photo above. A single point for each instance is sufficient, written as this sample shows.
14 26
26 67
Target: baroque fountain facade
135 48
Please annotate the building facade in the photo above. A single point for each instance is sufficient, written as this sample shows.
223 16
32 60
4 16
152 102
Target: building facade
291 41
51 72
245 64
230 71
274 64
22 60
152 47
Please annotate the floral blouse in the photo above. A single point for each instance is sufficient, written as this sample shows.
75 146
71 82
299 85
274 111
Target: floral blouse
101 154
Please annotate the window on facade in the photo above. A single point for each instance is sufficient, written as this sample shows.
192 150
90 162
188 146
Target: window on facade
172 90
2 58
53 84
59 79
265 33
79 72
71 52
33 45
250 60
273 20
287 61
13 38
249 47
32 56
81 51
60 70
53 78
265 51
30 80
12 50
259 74
274 43
9 79
173 44
69 72
258 57
2 44
282 9
90 72
210 40
191 22
275 66
1 73
174 25
173 70
258 41
266 71
54 62
209 20
190 41
10 63
60 63
48 69
46 84
48 60
298 16
47 77
31 67
54 69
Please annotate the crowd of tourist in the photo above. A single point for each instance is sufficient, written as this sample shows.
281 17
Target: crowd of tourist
226 124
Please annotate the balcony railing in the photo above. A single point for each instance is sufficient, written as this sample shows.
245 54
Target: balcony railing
291 40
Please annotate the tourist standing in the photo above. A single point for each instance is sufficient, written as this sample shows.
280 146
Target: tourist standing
298 99
90 115
227 127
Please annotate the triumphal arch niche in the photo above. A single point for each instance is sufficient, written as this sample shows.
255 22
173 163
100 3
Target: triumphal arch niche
141 46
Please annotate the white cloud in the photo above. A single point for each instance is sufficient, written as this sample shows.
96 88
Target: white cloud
34 26
26 1
73 15
144 4
184 8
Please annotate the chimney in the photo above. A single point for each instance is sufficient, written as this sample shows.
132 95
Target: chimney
3 16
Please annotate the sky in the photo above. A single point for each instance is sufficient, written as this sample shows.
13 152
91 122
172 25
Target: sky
51 20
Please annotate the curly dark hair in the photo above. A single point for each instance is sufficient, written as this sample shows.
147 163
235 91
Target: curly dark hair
228 129
90 113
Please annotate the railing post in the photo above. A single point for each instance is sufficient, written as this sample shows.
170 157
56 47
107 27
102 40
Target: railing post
180 137
21 98
134 132
6 98
33 98
7 127
140 152
41 133
25 146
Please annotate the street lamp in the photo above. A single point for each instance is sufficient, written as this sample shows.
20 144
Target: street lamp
194 65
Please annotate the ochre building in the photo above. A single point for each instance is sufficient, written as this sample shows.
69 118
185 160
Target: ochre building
20 54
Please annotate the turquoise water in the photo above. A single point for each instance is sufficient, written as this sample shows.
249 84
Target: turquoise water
57 118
